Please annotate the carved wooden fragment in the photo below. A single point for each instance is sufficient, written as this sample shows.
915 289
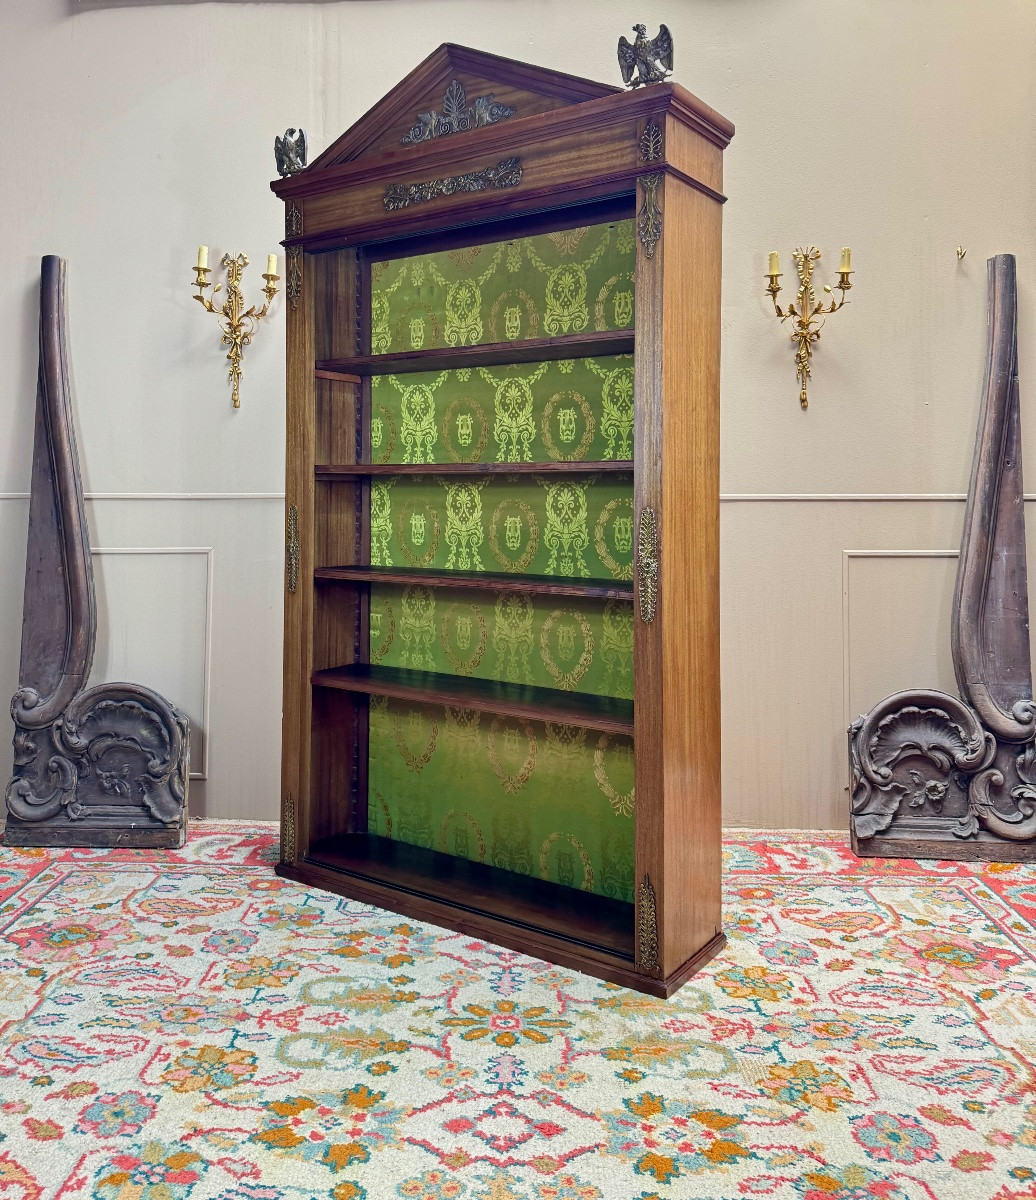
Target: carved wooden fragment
934 776
100 767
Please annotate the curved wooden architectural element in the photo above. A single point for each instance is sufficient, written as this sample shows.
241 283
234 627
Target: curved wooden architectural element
937 777
99 767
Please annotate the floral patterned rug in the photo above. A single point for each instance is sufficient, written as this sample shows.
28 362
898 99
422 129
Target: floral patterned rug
186 1024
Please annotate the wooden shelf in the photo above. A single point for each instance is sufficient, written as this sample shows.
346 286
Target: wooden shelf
577 916
604 713
489 354
359 470
492 581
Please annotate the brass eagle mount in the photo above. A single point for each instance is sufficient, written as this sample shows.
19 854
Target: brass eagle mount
937 776
646 60
100 766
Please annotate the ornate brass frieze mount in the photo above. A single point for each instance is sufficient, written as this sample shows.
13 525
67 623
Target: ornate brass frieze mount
288 829
292 220
506 174
647 564
649 219
291 548
293 286
647 926
457 115
651 142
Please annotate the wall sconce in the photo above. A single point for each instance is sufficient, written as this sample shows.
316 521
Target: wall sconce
237 323
807 313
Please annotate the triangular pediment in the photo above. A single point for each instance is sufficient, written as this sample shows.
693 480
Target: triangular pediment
455 89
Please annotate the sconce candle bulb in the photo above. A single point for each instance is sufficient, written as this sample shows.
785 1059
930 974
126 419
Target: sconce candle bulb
237 323
775 263
808 315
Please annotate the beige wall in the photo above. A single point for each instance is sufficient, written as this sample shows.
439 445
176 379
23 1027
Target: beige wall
903 127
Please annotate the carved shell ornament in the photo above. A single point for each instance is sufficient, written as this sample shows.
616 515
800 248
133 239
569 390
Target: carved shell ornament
932 775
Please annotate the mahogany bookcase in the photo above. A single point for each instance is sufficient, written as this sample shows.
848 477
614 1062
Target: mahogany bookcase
501 652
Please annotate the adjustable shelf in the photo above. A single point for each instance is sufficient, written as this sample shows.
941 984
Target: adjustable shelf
491 581
489 354
359 470
604 713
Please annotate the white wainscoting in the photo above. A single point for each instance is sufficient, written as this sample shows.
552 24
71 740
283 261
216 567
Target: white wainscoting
154 627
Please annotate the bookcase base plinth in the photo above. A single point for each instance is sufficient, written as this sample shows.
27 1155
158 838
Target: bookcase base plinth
594 935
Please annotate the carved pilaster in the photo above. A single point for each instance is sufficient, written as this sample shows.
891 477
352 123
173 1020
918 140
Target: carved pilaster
933 776
108 766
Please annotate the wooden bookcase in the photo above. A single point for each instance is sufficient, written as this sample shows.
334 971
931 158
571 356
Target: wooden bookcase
501 653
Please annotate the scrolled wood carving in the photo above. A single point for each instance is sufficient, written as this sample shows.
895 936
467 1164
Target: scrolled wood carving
107 765
941 777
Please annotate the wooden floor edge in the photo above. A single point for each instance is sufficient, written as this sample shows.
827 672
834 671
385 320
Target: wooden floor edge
559 951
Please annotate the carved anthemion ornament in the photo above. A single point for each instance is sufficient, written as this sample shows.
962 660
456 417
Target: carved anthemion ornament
290 152
105 766
651 142
934 776
457 115
646 60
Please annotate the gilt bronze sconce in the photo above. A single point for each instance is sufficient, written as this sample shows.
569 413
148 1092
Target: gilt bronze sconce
237 323
808 315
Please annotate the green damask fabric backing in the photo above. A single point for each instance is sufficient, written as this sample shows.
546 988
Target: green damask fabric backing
553 801
578 526
565 642
571 410
542 286
550 801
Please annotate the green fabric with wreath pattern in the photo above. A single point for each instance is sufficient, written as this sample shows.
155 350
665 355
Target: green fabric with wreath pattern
552 801
573 526
566 642
570 410
570 281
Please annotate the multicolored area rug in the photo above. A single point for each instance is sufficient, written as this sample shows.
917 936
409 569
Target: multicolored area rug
186 1024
